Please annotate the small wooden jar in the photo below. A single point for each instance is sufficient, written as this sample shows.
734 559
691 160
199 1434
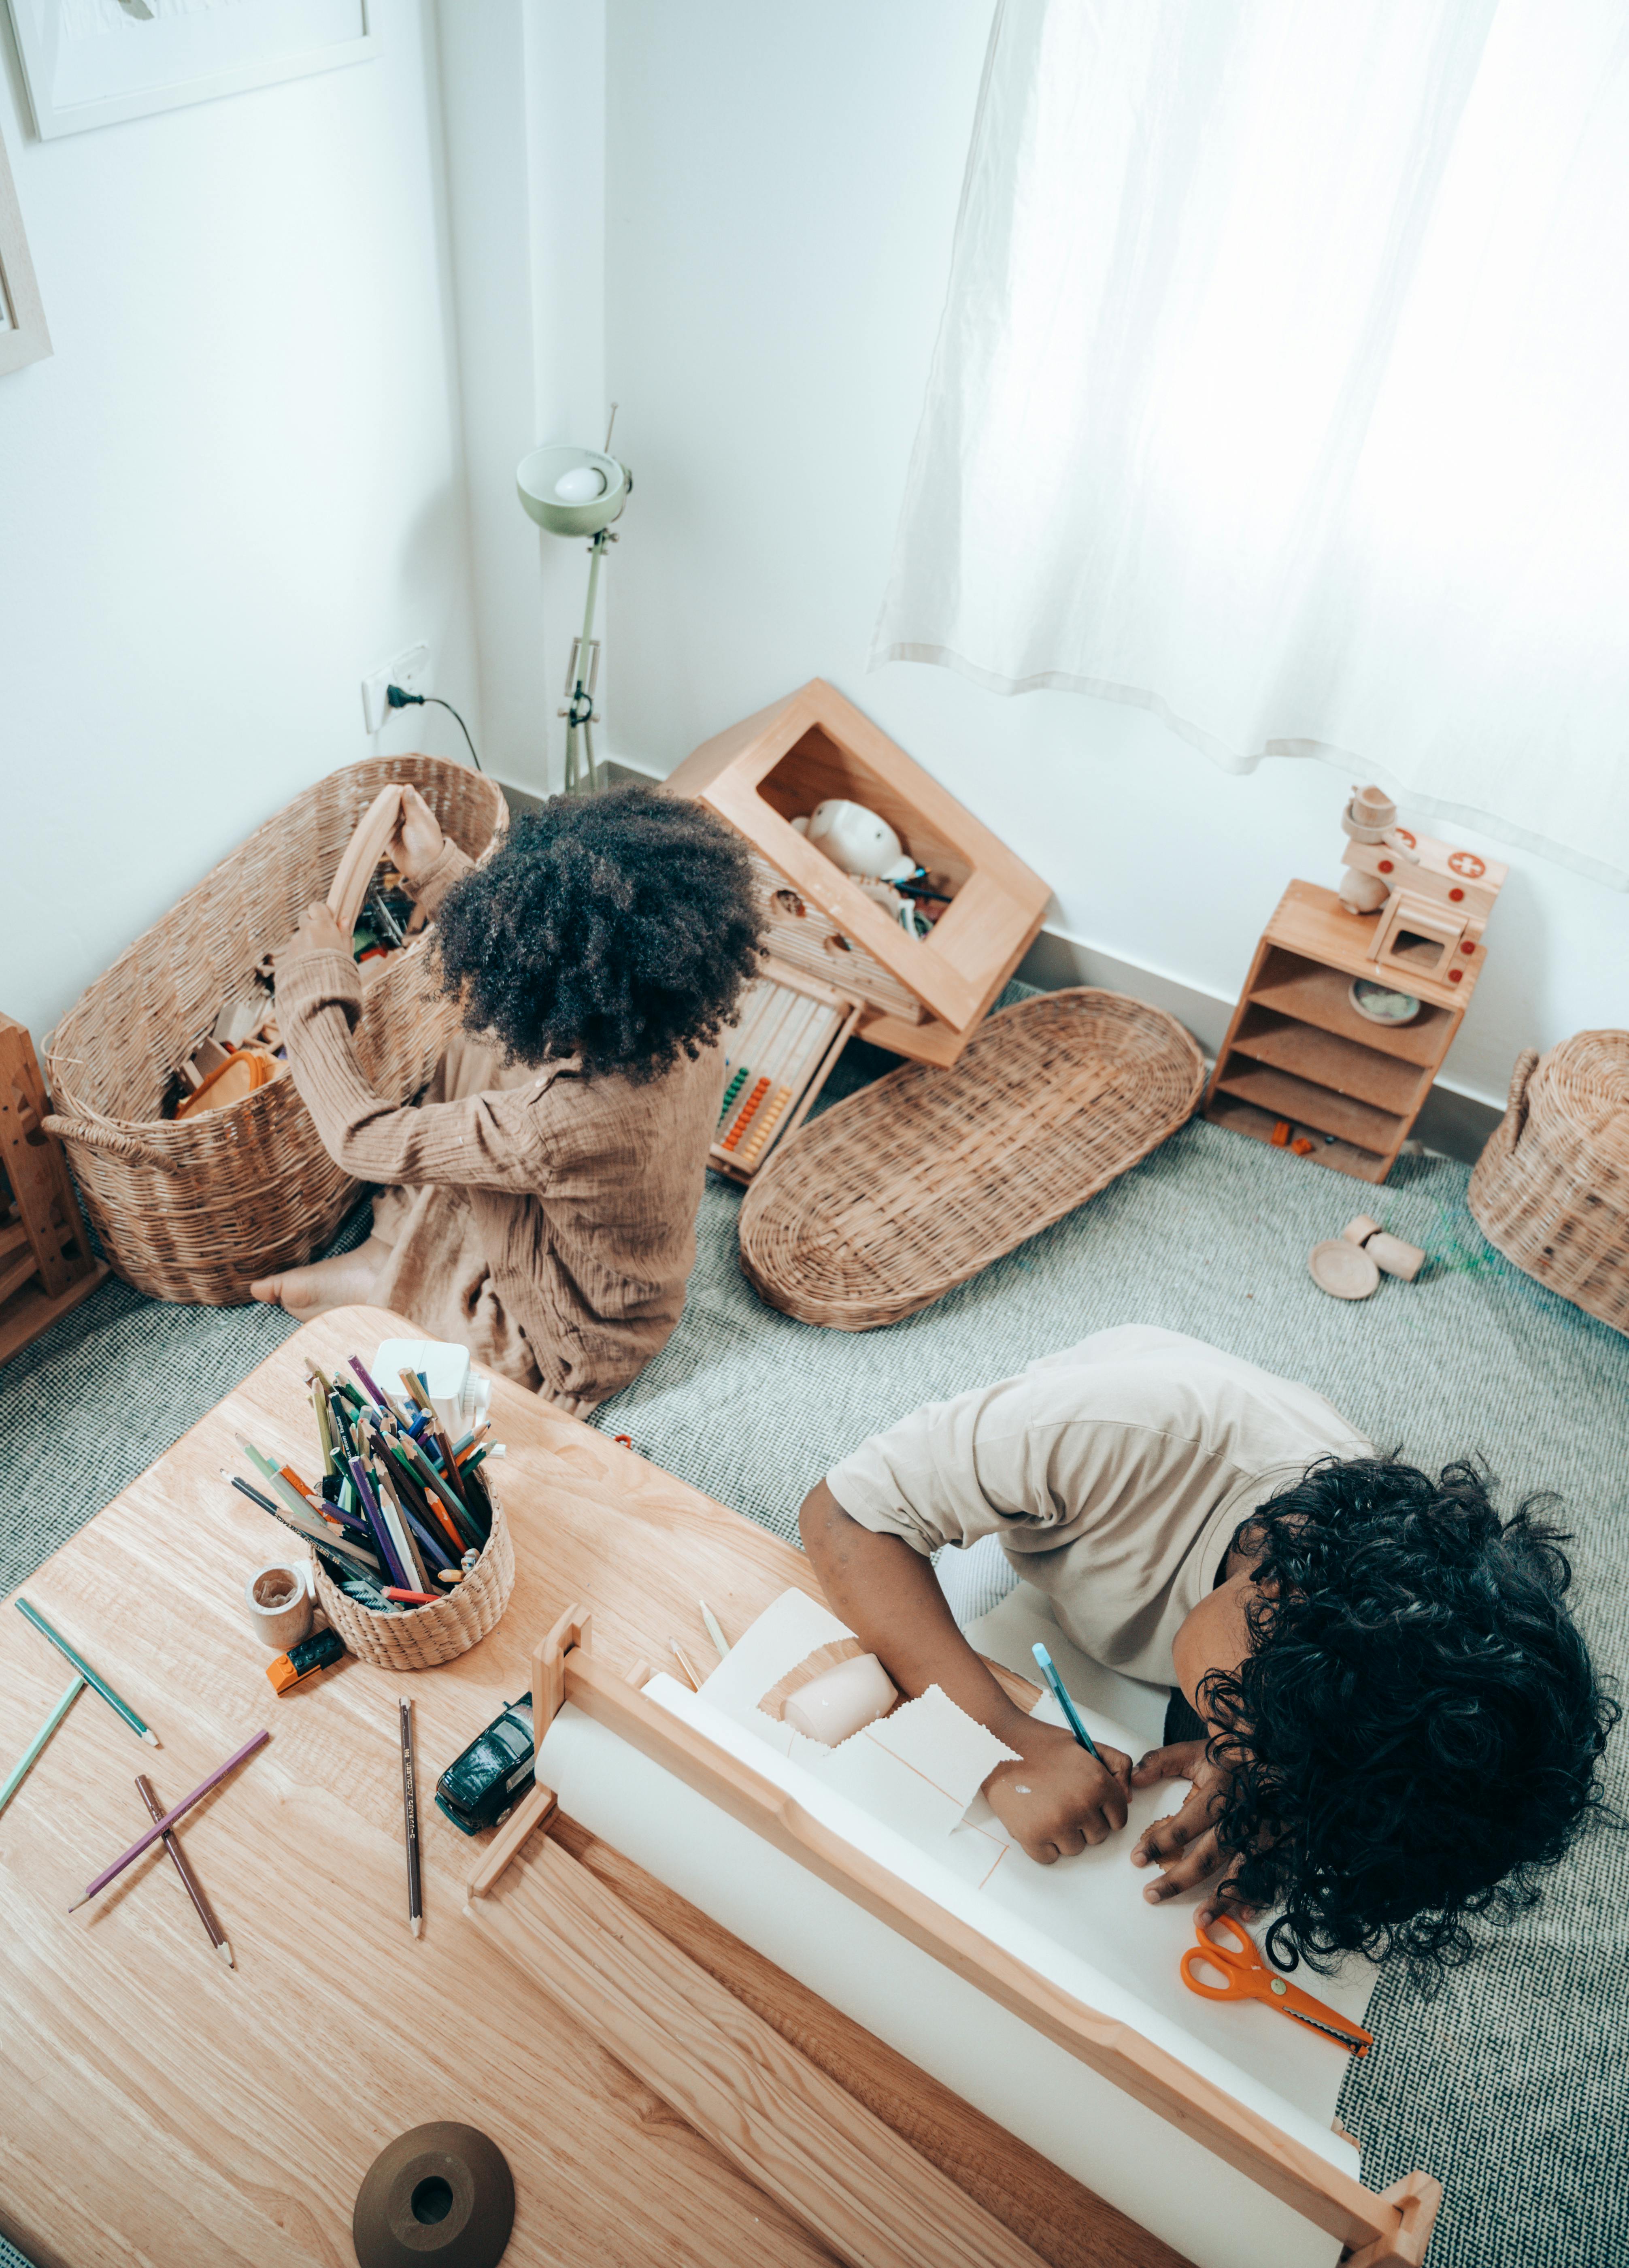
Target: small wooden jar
419 1638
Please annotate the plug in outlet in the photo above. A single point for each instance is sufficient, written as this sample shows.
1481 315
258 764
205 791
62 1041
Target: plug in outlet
410 670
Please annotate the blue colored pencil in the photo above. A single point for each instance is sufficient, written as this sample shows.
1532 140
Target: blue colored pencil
1049 1671
381 1540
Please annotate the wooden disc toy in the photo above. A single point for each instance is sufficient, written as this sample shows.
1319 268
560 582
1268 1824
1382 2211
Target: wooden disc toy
441 2194
1344 1270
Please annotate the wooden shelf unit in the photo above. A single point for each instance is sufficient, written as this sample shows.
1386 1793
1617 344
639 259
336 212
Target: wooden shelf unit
1296 1049
46 1266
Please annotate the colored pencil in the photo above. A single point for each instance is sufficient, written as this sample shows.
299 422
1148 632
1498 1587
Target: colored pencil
97 1684
382 1536
401 1534
462 1518
713 1630
312 1530
19 1771
145 1842
685 1664
189 1881
1050 1673
410 1823
419 1537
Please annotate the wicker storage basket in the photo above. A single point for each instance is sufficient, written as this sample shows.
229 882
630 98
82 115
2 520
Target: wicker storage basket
1551 1190
910 1187
423 1635
196 1209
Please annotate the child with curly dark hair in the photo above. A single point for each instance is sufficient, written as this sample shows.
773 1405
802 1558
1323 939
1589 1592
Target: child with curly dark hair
540 1203
1393 1725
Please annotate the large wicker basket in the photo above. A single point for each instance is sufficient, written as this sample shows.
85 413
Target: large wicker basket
1551 1190
196 1209
424 1636
906 1189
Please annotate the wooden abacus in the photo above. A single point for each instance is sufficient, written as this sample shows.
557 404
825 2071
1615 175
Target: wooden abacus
46 1266
793 1028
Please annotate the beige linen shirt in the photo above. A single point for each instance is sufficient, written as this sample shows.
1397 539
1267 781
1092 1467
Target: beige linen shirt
1115 1474
573 1199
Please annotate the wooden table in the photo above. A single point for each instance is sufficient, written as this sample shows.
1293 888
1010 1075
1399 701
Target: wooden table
158 2108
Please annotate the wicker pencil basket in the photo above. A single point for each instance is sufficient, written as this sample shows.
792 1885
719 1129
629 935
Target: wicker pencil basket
906 1189
196 1209
1551 1190
421 1637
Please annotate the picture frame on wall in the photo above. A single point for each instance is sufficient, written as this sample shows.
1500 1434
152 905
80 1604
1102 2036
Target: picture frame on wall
24 337
93 63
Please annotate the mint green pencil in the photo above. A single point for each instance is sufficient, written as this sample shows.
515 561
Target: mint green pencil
138 1726
19 1772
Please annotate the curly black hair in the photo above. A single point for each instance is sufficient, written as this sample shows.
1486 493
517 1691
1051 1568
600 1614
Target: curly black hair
1416 1732
618 927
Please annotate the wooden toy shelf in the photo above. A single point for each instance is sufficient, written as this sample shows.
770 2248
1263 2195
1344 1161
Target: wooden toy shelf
46 1266
1297 1048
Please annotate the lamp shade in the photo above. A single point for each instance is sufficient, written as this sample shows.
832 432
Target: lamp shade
539 476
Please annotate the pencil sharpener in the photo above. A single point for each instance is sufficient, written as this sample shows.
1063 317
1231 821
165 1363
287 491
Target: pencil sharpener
492 1774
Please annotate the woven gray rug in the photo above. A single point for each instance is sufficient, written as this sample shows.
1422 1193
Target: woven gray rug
1507 2084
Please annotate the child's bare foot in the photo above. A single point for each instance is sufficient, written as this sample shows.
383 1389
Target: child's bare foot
347 1280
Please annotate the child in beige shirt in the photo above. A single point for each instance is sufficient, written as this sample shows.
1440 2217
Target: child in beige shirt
1398 1722
540 1202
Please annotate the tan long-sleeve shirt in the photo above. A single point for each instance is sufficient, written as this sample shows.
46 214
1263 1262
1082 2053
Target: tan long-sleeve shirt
568 1200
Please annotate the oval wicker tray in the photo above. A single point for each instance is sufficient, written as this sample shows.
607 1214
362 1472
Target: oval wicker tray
423 1635
896 1196
1550 1188
196 1208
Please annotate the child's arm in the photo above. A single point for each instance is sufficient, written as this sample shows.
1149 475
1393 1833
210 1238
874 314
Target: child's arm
1056 1799
487 1141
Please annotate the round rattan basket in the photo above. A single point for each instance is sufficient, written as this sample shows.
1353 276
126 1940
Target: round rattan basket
420 1637
195 1208
892 1198
1551 1190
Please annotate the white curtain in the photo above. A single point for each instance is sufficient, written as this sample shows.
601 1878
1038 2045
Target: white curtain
1283 388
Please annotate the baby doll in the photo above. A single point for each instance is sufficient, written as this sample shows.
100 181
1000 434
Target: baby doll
540 1202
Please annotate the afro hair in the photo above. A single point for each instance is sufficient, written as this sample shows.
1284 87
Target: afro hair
1416 1732
619 928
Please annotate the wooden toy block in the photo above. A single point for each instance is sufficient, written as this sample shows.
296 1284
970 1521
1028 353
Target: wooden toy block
1474 884
1416 937
777 766
46 1266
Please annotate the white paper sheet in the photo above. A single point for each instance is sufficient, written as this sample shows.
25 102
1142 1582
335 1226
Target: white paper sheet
1090 1907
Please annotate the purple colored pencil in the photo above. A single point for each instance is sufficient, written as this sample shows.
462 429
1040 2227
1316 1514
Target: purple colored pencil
378 1399
383 1543
161 1826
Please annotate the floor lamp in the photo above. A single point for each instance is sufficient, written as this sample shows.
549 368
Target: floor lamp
578 492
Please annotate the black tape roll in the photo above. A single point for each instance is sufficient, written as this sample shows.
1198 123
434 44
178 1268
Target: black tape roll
441 2194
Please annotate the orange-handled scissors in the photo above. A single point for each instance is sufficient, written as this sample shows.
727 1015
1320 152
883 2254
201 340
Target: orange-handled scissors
1245 1976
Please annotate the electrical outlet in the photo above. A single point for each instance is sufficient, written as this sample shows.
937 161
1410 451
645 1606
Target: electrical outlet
410 670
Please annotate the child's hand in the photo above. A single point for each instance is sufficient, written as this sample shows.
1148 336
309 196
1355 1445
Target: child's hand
317 932
1186 1843
414 847
1057 1799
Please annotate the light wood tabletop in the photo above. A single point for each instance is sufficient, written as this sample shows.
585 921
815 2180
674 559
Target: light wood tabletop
161 2110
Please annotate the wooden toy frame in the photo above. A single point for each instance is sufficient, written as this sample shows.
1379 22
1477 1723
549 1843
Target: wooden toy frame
777 765
1386 2230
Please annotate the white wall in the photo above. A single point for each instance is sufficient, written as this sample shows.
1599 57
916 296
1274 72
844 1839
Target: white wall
525 105
783 187
236 485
